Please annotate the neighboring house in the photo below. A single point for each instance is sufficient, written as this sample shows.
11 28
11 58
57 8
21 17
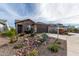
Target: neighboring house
39 27
54 27
3 25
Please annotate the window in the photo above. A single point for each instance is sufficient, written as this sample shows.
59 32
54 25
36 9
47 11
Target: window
20 27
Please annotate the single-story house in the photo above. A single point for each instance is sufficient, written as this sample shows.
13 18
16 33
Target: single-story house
21 26
39 27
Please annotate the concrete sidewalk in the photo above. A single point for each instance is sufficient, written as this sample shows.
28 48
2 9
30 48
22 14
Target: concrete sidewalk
72 43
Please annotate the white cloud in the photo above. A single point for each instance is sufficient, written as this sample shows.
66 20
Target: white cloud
63 13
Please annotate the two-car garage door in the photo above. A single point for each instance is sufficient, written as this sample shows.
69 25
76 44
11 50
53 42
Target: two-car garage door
42 28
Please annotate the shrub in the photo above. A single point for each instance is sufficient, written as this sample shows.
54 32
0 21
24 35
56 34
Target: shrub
41 40
53 47
12 41
66 33
34 52
10 33
18 46
58 42
32 34
44 37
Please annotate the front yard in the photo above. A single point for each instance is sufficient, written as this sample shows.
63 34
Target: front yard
34 46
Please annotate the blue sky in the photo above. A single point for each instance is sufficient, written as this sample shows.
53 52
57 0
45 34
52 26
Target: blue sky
10 12
66 13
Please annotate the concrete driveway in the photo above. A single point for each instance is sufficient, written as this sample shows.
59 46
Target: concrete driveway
72 43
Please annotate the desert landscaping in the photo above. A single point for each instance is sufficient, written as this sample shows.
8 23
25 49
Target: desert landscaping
33 46
40 44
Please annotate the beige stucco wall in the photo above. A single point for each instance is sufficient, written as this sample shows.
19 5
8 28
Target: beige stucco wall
2 27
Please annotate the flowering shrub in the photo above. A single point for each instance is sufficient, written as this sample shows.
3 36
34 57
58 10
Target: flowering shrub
34 52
